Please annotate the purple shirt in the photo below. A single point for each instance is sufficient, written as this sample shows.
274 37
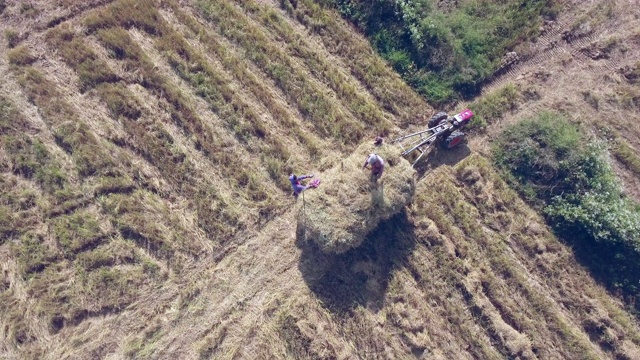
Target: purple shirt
295 183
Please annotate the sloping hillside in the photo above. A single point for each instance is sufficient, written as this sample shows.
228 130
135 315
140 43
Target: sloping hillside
145 210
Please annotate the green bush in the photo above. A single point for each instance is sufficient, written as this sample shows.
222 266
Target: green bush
568 176
446 54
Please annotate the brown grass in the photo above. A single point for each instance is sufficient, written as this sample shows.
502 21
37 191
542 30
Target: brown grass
246 77
91 70
329 119
182 244
21 56
348 205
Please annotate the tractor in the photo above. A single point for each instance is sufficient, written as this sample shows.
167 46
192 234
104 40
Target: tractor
440 126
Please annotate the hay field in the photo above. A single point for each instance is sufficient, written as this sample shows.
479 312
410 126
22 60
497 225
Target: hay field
145 210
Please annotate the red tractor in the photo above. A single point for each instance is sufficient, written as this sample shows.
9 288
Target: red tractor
440 126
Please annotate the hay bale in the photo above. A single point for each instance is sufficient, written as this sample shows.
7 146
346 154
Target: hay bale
349 204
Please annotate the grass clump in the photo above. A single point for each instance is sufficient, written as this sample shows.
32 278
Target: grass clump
91 70
77 232
143 218
493 106
13 38
217 216
115 253
118 42
20 56
113 184
569 177
446 55
7 223
120 101
76 139
142 14
30 159
626 155
33 254
633 73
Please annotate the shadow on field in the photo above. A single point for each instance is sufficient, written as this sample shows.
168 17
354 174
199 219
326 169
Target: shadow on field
438 156
614 265
361 275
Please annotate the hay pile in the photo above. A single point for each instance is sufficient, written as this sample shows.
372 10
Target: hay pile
349 204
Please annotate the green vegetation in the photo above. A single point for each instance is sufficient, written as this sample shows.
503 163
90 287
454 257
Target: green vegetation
566 174
493 106
446 54
77 232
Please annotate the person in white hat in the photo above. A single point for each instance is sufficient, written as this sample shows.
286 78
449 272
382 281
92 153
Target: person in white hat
377 165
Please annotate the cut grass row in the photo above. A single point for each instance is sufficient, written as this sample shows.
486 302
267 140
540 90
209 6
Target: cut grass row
156 145
71 134
243 74
339 39
240 117
42 255
456 218
297 46
106 24
329 119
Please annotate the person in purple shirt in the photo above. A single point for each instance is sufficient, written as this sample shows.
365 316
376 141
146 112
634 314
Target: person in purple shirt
298 187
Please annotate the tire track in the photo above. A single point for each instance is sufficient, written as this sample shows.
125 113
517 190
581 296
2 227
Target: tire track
557 43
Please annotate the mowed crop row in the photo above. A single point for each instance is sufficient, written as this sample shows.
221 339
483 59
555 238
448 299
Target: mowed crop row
469 272
162 134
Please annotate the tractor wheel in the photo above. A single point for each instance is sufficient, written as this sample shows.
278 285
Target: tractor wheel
437 119
454 139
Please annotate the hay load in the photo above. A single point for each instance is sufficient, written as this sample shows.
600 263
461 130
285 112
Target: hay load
349 204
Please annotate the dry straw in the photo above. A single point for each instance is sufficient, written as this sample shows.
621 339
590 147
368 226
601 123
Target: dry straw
349 204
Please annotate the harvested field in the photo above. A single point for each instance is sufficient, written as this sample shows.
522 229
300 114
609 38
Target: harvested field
145 210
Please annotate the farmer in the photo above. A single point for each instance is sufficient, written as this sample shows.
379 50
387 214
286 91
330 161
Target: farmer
298 188
377 166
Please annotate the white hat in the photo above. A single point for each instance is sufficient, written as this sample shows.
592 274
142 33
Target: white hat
372 159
